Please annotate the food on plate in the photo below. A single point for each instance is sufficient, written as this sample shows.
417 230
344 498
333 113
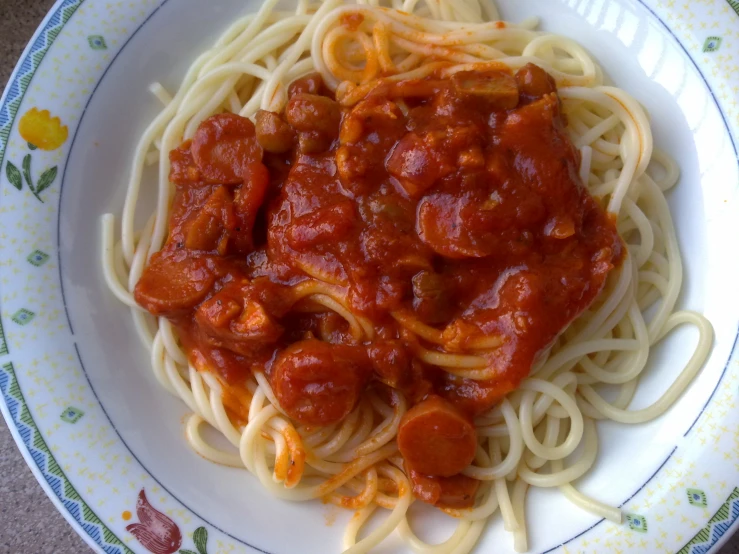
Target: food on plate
395 256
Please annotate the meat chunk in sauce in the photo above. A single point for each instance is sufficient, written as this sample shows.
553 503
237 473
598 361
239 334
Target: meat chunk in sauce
225 149
436 439
317 383
498 88
210 229
533 82
236 318
274 134
174 282
456 492
317 120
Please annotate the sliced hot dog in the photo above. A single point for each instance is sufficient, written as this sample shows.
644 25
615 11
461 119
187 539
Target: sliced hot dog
436 439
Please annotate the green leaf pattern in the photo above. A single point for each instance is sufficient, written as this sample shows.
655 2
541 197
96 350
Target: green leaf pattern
27 171
15 177
200 538
47 177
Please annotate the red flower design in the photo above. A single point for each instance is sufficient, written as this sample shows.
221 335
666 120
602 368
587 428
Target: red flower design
156 532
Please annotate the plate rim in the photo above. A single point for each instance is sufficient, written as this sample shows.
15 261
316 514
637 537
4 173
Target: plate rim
7 372
7 375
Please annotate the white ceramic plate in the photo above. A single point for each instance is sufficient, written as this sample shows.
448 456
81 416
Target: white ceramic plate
83 405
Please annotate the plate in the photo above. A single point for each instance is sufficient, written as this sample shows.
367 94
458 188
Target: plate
106 443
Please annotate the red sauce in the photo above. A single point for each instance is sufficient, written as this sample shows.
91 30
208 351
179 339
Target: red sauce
456 201
352 21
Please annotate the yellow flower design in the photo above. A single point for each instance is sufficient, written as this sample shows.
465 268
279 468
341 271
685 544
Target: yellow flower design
42 130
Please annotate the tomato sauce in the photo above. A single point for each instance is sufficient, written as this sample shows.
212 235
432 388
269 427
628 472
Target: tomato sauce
455 201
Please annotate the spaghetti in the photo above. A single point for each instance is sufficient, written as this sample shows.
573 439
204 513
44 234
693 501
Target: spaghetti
410 56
